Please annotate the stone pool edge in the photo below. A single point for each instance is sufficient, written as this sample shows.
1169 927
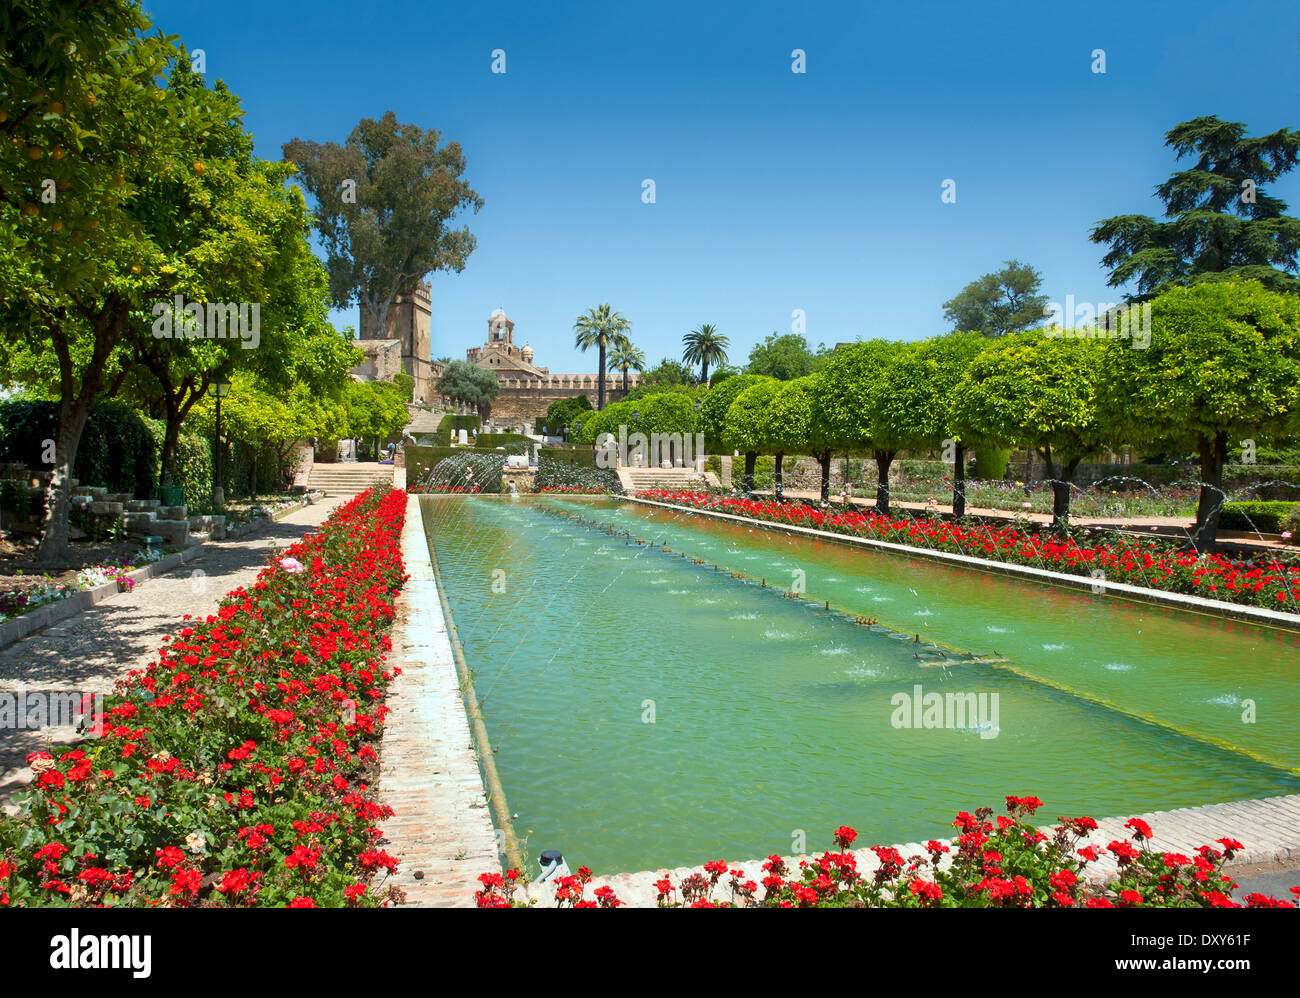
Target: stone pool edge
1268 827
441 832
1124 590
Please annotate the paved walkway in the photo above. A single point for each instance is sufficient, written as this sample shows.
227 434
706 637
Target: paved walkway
442 832
88 653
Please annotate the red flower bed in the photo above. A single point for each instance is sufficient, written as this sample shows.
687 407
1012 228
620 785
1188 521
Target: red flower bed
235 771
1006 863
1267 581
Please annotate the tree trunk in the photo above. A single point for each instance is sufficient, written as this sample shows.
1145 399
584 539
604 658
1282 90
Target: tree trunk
825 461
53 549
74 410
704 371
252 473
1214 453
750 458
959 482
776 480
884 458
171 435
1061 494
600 379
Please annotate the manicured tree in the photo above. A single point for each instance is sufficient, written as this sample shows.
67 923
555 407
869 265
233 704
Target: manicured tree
89 126
705 346
716 401
1223 365
790 428
1041 390
1221 224
913 403
893 417
603 328
746 425
385 203
849 384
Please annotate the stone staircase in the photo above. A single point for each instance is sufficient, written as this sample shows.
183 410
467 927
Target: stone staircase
348 478
155 523
686 479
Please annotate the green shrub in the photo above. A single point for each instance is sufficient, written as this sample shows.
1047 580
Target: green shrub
406 383
554 470
116 451
1265 517
419 460
573 456
990 464
514 443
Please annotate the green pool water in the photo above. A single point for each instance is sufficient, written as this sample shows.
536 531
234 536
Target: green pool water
648 712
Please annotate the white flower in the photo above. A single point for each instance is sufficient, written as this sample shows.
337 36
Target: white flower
195 843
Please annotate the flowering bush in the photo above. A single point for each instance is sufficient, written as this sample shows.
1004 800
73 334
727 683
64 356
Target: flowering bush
235 771
1267 581
1005 863
98 575
19 601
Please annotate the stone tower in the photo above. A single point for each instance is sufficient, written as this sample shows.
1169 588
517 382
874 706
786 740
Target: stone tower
408 323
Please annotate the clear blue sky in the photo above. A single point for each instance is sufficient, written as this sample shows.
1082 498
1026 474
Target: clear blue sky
775 191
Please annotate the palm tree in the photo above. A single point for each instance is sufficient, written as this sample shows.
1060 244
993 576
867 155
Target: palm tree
604 328
704 347
626 357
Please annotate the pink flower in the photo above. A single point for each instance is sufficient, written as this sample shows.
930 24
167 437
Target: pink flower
292 565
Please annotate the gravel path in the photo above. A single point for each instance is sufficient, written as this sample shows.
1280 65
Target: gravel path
89 652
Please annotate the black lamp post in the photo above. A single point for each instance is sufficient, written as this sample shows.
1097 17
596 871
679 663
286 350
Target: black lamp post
221 389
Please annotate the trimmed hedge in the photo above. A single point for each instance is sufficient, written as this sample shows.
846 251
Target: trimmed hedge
420 460
573 456
116 451
507 440
1265 517
452 422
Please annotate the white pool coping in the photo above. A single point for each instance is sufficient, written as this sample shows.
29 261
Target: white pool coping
1122 590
